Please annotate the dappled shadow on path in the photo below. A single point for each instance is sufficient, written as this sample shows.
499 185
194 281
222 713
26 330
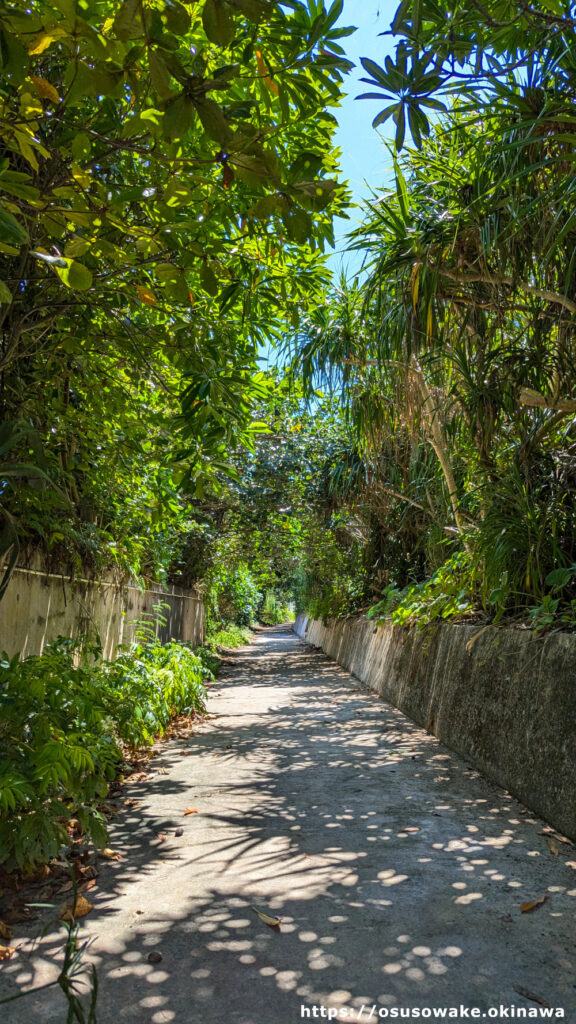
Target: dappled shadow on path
397 870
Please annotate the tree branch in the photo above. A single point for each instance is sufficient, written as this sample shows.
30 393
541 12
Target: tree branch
540 293
533 399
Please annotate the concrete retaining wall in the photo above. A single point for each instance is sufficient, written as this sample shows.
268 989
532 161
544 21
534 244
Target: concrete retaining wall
39 606
507 704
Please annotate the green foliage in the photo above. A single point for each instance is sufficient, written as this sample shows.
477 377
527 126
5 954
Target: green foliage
455 356
273 612
231 594
62 728
151 683
230 636
468 49
168 185
448 594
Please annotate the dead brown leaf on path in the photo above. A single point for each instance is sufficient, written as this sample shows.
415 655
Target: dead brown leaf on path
84 886
161 837
530 995
553 847
272 922
526 908
190 810
410 828
6 952
5 931
548 831
109 854
71 911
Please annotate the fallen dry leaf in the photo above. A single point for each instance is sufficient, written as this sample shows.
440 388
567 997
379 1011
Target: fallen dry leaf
476 637
530 995
5 931
410 828
110 854
547 831
533 904
154 957
6 952
136 777
89 884
272 922
190 810
553 847
132 803
161 837
71 911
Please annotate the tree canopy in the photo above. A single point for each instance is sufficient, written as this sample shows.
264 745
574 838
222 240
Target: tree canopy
168 185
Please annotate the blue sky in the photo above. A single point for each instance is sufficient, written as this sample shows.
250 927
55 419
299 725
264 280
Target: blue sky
365 160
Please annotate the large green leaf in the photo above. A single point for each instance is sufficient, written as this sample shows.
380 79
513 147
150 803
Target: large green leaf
218 22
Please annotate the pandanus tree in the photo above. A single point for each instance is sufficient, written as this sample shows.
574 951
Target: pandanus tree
468 307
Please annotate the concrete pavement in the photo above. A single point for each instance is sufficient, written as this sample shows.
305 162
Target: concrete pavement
397 870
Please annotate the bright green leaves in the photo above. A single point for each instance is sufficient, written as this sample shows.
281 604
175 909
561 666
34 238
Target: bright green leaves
218 22
76 247
75 275
176 179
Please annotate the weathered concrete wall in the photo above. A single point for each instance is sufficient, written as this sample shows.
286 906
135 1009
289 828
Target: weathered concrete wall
39 606
507 704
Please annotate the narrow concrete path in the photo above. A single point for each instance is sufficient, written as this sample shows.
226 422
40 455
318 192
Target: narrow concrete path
397 870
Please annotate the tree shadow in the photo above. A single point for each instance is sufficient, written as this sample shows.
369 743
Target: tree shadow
398 871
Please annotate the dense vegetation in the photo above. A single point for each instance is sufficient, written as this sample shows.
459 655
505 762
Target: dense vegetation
168 184
64 728
456 357
167 190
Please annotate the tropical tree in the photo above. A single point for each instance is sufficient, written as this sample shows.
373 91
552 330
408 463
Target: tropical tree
167 187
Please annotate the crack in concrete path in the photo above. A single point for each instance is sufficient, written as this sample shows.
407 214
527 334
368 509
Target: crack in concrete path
398 871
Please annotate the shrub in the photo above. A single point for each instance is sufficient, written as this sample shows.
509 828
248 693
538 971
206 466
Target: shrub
62 729
232 595
274 611
228 637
